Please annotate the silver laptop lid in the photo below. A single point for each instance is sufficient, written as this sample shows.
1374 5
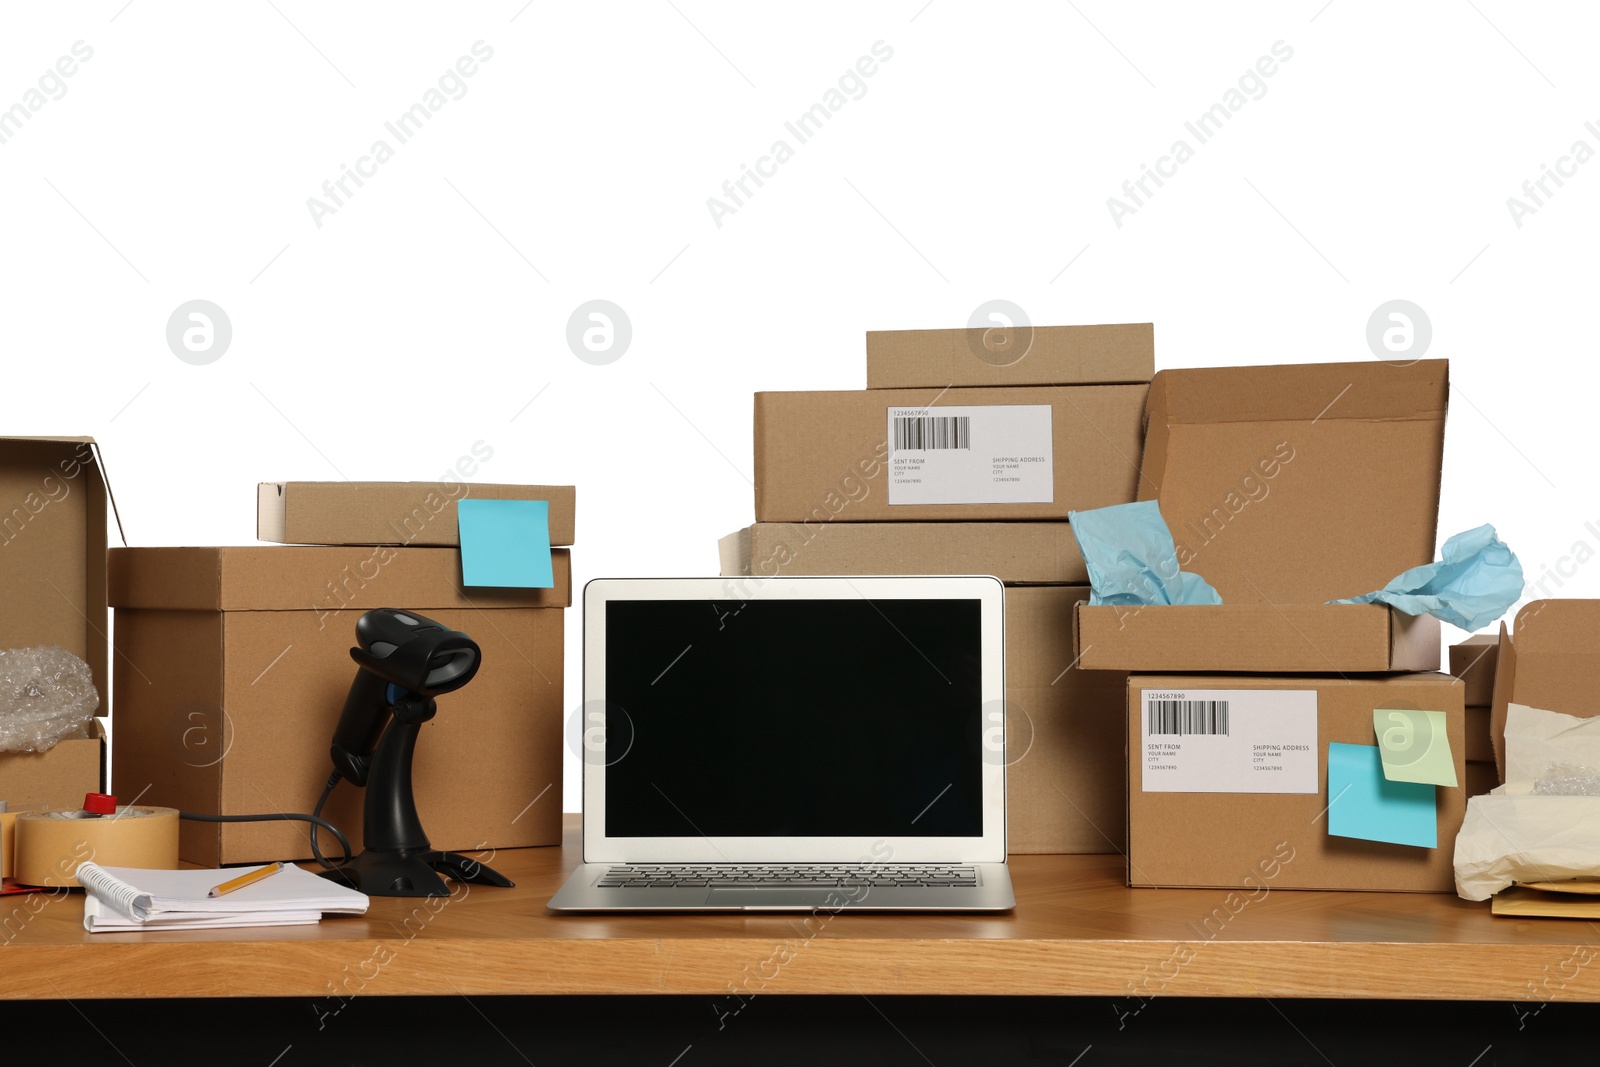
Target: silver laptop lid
794 720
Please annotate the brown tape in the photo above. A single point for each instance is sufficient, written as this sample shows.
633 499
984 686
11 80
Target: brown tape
50 845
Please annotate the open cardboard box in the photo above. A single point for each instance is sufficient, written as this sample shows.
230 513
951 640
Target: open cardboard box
1286 487
1550 661
53 584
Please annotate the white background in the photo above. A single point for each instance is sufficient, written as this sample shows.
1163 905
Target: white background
429 311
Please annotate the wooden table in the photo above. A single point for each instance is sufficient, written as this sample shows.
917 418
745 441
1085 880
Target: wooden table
1077 930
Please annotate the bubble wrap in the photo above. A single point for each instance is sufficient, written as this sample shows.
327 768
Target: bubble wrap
46 695
1568 780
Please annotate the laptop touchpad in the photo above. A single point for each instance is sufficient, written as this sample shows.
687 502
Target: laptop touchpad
776 897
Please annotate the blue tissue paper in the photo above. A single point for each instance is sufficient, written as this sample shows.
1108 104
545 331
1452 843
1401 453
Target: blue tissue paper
1476 582
1131 559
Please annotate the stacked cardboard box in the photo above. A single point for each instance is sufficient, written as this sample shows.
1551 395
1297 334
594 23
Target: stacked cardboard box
1285 487
1473 661
964 457
234 667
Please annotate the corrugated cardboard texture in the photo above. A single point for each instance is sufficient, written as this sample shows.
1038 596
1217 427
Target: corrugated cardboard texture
52 549
58 778
1298 484
233 711
390 513
1257 637
1220 839
822 456
1473 661
1036 355
1015 552
1066 777
326 580
1551 661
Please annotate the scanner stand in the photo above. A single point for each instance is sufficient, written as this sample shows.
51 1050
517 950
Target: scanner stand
398 860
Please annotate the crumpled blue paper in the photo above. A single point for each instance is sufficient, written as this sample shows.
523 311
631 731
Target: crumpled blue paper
1131 558
1475 583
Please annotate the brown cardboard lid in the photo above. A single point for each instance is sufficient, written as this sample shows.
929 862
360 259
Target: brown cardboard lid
313 578
1298 483
53 548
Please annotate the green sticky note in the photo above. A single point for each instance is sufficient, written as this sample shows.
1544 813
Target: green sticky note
505 543
1363 803
1414 746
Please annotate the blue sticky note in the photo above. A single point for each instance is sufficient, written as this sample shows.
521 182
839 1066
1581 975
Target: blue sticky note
1363 803
505 543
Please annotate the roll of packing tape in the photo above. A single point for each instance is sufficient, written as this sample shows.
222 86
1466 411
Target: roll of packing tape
51 844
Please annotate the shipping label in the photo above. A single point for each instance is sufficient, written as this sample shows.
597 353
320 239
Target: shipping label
1229 740
977 454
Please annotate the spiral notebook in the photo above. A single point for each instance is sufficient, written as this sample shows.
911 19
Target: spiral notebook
134 898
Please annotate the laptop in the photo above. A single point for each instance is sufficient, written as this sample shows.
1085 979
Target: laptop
755 744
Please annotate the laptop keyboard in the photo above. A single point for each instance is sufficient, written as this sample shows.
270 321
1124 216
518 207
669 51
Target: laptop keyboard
712 875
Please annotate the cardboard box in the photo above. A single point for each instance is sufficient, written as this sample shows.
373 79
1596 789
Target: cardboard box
233 669
58 778
1066 781
53 585
1473 661
1481 777
1286 487
390 513
1480 735
1022 453
1025 553
1550 662
1234 839
1026 355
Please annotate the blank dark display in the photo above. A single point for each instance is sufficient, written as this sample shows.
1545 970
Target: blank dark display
791 718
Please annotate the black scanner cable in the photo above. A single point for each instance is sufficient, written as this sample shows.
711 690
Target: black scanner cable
315 819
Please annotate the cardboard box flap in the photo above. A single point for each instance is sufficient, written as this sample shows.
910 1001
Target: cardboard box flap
1298 484
1255 637
1551 660
312 578
53 536
1302 392
111 495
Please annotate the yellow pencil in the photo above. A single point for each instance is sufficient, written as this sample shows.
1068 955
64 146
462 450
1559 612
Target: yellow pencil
246 879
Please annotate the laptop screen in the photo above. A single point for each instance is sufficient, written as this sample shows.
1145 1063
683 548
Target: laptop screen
793 718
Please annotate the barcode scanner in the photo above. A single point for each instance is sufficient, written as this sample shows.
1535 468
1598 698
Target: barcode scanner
403 662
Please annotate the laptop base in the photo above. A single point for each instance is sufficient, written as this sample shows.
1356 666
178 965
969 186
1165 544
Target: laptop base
581 893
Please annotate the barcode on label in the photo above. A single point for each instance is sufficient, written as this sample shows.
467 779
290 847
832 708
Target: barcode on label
1187 716
932 431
